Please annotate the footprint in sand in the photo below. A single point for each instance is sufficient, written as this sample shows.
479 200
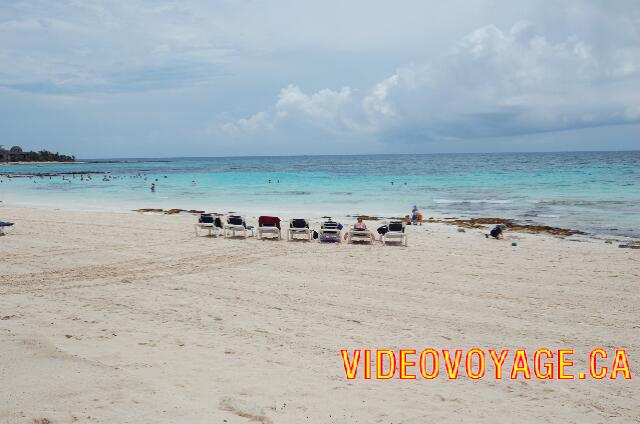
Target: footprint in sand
244 410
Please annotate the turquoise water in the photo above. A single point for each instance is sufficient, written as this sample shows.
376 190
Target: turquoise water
598 192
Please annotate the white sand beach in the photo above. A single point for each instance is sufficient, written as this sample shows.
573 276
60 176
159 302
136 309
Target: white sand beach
130 318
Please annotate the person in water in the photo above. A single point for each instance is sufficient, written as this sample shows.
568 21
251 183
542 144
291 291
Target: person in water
497 232
153 187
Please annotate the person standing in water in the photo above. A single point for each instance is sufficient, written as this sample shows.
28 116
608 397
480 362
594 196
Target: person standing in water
153 187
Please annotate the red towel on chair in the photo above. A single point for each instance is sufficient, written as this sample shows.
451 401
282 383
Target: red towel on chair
269 221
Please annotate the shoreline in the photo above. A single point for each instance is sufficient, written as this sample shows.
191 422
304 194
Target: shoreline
602 204
88 161
515 226
33 163
474 223
48 174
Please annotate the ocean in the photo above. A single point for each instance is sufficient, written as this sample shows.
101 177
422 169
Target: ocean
596 192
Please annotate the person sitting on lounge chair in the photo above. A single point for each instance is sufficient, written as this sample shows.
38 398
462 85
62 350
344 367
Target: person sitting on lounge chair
360 224
360 232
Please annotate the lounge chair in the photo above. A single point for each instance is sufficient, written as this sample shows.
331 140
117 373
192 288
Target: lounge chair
330 231
359 235
269 225
4 226
298 227
208 222
235 224
395 232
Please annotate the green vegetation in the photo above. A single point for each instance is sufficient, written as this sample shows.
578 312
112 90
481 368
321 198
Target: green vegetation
16 154
47 156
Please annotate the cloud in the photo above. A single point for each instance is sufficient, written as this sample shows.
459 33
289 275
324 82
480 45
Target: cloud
254 77
326 109
324 105
258 122
72 46
492 83
377 102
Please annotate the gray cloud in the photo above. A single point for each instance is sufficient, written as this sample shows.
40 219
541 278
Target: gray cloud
492 83
200 77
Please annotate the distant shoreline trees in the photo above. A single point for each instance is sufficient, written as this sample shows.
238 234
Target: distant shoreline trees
16 154
47 156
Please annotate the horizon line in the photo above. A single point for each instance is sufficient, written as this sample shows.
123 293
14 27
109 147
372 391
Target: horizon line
350 155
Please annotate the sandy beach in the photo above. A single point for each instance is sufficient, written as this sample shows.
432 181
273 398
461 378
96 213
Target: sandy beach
131 318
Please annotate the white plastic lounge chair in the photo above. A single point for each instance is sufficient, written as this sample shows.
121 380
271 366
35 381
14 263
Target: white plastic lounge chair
359 235
5 226
235 224
395 233
329 231
298 227
269 225
207 222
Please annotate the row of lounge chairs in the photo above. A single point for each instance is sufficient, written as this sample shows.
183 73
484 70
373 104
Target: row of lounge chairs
298 229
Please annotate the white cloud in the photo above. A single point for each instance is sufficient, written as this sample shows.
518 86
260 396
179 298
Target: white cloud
377 102
87 45
258 122
492 83
325 109
322 107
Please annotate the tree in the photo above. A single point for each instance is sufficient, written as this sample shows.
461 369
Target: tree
47 156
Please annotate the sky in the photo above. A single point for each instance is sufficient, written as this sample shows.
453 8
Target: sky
150 78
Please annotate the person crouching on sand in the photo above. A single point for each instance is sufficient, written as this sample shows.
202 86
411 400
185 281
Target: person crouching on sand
497 232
